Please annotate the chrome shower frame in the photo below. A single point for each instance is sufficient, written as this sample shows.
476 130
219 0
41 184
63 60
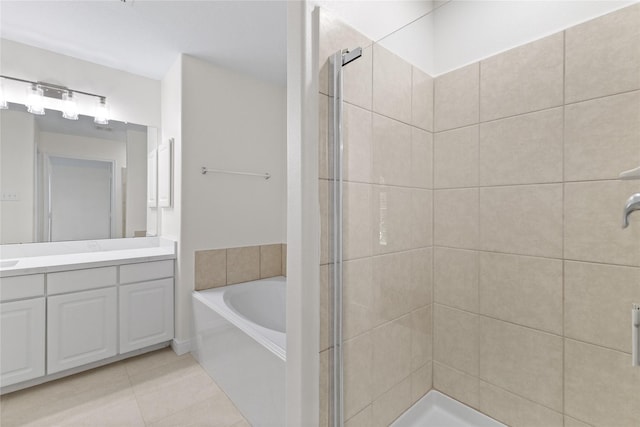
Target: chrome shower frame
336 62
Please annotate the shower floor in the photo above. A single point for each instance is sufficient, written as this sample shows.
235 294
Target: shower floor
437 410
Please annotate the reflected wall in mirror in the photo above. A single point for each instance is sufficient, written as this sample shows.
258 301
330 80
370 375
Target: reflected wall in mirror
73 179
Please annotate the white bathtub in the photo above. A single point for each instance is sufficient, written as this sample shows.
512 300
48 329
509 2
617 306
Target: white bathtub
241 343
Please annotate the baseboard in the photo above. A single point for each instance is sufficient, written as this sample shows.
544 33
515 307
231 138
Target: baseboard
181 347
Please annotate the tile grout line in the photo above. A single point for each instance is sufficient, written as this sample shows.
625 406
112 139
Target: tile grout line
564 177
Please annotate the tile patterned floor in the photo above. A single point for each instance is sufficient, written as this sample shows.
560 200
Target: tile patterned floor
154 389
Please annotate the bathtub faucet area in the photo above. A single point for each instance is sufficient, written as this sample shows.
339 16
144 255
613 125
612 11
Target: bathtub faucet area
633 204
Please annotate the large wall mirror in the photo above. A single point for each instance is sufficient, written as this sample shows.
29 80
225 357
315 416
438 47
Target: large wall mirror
73 179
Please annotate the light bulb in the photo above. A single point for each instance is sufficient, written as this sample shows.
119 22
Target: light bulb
69 106
35 100
102 112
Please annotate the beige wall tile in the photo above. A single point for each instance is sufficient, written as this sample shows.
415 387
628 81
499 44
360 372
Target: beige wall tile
456 278
358 297
284 259
522 80
523 220
422 100
421 382
357 79
324 382
457 384
522 360
357 144
392 286
356 220
522 290
325 317
391 354
593 218
601 386
421 158
358 359
603 55
598 298
392 219
421 337
525 149
392 404
422 218
391 85
243 264
571 422
363 418
323 190
211 269
323 136
270 261
421 277
457 98
334 36
456 158
515 411
391 152
601 137
455 338
456 219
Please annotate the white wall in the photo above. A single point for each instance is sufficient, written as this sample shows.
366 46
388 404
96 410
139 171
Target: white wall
221 119
455 33
16 176
468 31
131 98
136 184
376 19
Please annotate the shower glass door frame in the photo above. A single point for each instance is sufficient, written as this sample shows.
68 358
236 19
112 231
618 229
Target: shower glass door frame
336 63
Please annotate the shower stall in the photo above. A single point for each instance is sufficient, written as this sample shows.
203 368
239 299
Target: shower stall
471 236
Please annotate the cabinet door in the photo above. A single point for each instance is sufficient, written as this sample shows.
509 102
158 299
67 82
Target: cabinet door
21 340
146 314
81 328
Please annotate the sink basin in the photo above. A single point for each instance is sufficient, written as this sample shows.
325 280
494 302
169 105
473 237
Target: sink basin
9 263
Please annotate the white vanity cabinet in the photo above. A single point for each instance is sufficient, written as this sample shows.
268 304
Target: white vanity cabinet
22 328
81 328
146 304
66 320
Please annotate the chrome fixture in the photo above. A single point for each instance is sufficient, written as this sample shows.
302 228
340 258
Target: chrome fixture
635 334
633 204
205 170
631 174
38 90
336 62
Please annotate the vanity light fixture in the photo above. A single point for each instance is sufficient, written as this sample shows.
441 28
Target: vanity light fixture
35 100
101 116
69 107
38 90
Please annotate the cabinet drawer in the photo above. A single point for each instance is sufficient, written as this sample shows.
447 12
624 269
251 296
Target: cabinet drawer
19 287
146 271
80 280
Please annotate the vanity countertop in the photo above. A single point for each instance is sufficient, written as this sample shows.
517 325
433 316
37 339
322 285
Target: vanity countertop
37 258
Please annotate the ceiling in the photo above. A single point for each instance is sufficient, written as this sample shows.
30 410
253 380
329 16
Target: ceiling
145 37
